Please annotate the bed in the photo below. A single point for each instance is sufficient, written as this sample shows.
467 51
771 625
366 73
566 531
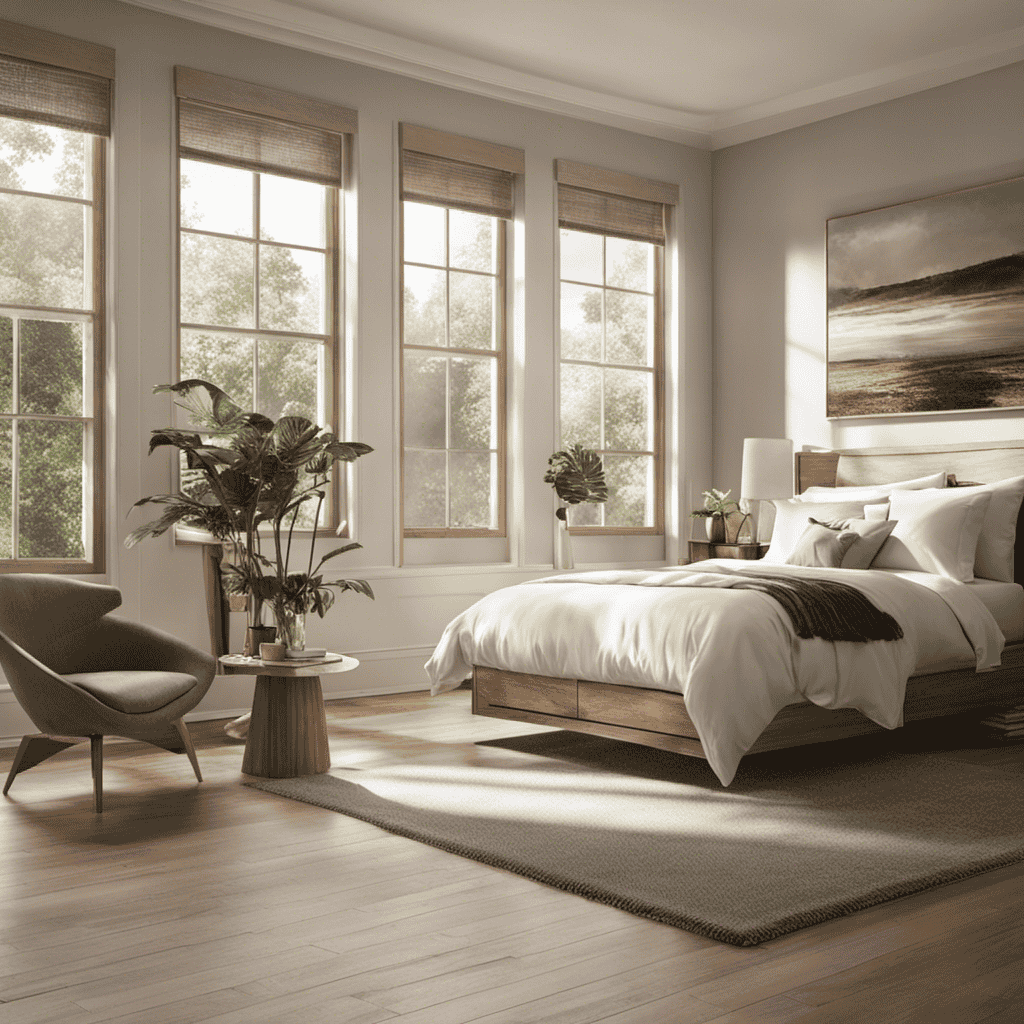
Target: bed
935 682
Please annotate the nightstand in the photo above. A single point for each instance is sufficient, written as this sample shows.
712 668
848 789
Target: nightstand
701 549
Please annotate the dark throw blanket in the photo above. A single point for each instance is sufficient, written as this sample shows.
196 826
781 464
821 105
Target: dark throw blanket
824 608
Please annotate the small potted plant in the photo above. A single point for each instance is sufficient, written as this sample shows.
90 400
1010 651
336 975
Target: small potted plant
577 474
718 507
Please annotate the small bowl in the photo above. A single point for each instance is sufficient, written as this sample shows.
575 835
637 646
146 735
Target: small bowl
272 652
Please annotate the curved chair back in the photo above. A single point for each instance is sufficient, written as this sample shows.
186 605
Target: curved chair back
50 617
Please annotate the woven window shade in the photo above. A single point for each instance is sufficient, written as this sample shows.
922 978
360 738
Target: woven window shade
55 96
601 213
461 186
230 137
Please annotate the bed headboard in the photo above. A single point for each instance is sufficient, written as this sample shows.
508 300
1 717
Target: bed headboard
981 463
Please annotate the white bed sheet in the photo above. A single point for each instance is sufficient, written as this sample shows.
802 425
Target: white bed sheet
733 654
1006 603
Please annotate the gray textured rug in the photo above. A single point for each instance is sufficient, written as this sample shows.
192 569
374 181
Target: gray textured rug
793 842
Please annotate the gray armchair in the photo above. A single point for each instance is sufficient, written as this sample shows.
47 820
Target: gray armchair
79 672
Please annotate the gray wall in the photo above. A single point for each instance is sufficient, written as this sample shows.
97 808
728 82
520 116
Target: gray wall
771 199
162 583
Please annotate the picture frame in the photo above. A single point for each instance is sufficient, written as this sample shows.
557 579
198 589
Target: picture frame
925 305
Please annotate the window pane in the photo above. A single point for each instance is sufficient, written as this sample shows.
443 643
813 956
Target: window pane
424 407
292 211
42 252
6 364
38 158
424 234
581 256
6 492
473 490
424 489
628 404
217 281
50 490
581 405
223 359
473 414
472 241
581 322
630 490
291 290
630 264
629 328
216 198
471 311
289 378
424 307
51 367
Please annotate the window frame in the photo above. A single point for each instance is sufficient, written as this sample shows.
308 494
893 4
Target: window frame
657 370
241 97
499 354
94 474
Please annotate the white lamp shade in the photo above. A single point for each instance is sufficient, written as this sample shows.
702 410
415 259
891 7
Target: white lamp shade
767 468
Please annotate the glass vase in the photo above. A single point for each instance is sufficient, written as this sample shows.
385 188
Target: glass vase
291 629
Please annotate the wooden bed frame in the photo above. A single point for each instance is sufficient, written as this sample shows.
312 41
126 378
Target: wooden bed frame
658 718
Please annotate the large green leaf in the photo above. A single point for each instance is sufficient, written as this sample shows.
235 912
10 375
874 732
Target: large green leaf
577 474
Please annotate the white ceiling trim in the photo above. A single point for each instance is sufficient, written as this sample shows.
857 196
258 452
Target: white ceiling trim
309 30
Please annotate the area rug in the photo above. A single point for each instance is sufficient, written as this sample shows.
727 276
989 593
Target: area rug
792 842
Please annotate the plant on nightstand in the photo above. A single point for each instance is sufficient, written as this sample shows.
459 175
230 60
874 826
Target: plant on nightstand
718 509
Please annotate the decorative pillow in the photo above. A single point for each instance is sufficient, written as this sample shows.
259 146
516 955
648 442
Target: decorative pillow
874 513
871 492
993 559
869 534
820 546
936 531
792 518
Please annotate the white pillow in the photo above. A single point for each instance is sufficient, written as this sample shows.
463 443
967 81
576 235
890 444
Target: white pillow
876 513
871 492
993 559
936 531
792 517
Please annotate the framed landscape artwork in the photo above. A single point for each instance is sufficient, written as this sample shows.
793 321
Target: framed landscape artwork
925 307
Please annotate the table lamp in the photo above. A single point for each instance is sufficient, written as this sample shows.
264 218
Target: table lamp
767 474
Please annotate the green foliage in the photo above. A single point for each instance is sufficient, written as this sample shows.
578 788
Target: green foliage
250 471
716 504
577 475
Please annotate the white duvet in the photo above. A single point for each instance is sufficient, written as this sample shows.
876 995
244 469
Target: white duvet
733 654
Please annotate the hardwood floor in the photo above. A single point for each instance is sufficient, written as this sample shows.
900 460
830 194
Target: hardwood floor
187 902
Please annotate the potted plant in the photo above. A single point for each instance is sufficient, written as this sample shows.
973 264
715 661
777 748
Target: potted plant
577 474
718 507
248 481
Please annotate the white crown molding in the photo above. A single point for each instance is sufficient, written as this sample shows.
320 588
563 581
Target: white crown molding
285 23
848 94
334 37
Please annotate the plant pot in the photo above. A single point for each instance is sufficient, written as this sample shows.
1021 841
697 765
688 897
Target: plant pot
715 527
256 635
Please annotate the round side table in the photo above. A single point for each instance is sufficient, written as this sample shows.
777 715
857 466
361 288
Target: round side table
288 730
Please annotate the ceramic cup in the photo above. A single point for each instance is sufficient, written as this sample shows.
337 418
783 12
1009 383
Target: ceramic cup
272 652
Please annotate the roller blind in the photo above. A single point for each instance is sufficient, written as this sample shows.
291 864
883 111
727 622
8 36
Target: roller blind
611 203
464 174
230 122
54 79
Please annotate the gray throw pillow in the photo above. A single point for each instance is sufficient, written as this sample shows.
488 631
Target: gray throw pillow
871 536
821 546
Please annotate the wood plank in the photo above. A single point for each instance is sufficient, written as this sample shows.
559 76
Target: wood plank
519 690
636 707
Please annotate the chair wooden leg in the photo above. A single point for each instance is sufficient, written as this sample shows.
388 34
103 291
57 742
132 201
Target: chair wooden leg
34 750
96 743
186 739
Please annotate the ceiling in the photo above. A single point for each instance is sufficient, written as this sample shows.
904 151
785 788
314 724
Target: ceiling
710 73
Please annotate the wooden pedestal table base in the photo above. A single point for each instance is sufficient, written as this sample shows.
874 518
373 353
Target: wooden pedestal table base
288 730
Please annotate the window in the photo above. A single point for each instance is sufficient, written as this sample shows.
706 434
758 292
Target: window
611 243
260 219
457 195
54 120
